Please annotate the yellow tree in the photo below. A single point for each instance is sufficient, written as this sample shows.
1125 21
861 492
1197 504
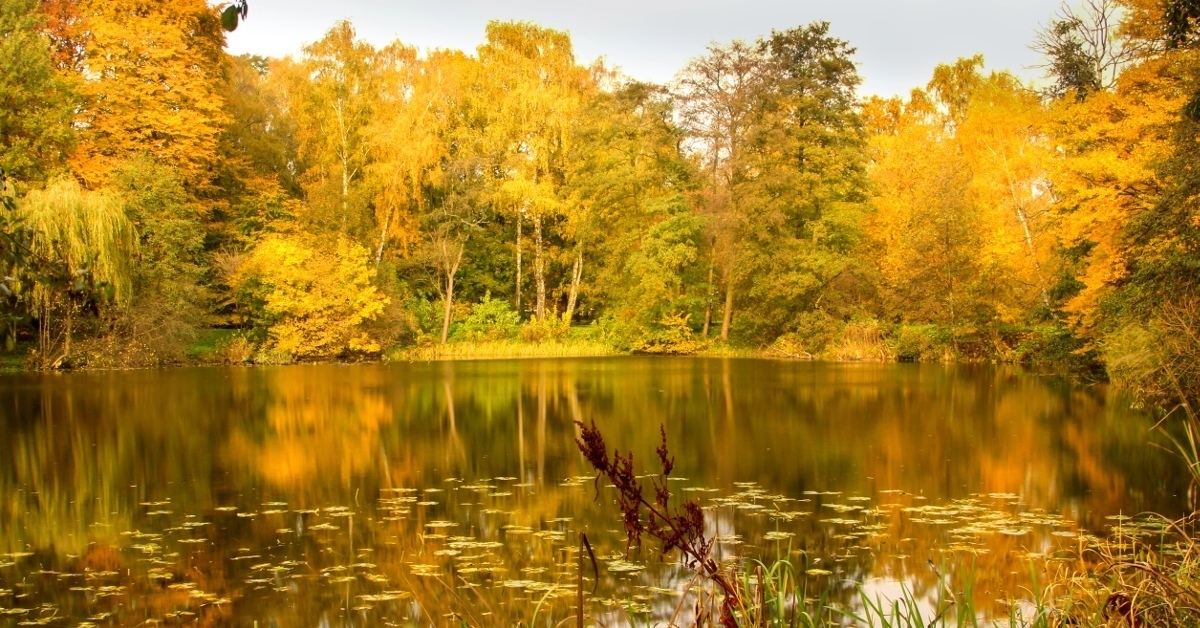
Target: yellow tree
924 233
314 301
536 93
428 168
152 74
1005 141
332 98
1110 145
419 110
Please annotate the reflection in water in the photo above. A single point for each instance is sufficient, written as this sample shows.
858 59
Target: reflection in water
362 495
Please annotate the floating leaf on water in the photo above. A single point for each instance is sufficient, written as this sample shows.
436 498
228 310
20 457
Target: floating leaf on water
441 524
424 570
776 535
819 572
624 566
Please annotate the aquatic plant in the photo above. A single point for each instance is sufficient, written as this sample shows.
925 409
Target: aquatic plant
677 527
1146 573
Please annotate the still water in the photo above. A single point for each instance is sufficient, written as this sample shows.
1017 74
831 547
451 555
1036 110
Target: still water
434 493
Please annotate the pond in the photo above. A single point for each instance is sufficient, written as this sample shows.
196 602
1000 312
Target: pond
433 493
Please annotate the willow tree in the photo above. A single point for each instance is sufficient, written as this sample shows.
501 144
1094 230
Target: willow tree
81 249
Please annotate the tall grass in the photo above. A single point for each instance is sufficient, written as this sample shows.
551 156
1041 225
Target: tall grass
497 349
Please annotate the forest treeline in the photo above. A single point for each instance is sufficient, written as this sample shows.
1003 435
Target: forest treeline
357 200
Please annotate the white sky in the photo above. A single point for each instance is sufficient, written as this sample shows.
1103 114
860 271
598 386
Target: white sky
899 41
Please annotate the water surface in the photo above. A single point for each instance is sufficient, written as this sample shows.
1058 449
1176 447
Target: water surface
421 493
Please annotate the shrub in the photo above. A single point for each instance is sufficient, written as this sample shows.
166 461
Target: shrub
236 350
918 343
671 335
311 300
861 340
814 331
789 346
490 319
552 327
615 332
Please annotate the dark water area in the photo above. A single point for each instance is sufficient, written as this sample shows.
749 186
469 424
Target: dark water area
429 493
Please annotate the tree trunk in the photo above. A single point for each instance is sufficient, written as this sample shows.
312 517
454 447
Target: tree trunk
520 215
67 340
1033 254
539 269
1024 220
451 271
345 159
387 223
727 319
709 301
576 275
449 304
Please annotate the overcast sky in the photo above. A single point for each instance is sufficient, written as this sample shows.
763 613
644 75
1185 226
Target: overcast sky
899 41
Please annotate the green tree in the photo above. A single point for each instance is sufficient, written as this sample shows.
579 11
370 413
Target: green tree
36 101
633 186
168 297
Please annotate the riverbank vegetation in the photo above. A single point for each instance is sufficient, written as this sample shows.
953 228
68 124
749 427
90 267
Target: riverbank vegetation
358 201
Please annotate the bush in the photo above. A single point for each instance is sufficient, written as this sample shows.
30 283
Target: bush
313 299
615 332
918 343
861 340
671 335
490 319
789 346
552 327
236 350
815 331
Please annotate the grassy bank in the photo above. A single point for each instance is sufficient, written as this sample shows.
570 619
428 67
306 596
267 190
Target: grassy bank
497 349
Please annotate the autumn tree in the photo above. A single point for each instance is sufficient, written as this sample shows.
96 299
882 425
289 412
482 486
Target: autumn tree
169 300
333 94
806 197
312 301
152 84
633 186
537 91
924 231
718 96
79 262
36 101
